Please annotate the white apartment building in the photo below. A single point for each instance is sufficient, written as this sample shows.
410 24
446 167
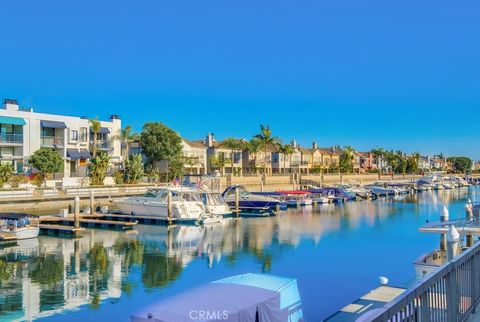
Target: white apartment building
23 131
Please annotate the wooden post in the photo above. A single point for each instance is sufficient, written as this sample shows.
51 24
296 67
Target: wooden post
469 215
76 213
92 202
453 239
237 202
169 208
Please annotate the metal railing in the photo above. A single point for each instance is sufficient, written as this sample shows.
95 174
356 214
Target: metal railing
11 138
52 141
448 294
102 144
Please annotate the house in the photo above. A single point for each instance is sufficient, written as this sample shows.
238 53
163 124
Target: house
221 158
367 162
23 131
262 160
194 157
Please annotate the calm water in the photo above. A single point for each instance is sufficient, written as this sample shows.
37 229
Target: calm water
335 252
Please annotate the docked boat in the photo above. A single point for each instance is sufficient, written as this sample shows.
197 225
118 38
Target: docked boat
275 195
18 226
249 200
332 194
357 192
214 204
186 204
295 198
380 190
247 297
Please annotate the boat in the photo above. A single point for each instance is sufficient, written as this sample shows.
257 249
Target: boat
248 200
275 195
214 204
295 198
357 192
18 226
333 194
247 297
186 204
380 190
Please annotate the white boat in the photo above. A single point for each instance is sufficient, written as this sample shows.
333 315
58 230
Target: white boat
18 226
380 191
186 204
214 204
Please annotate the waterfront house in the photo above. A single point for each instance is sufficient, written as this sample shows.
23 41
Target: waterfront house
255 162
23 131
367 162
194 157
219 157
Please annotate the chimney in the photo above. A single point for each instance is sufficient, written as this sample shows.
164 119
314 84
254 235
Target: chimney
209 140
294 144
10 104
314 145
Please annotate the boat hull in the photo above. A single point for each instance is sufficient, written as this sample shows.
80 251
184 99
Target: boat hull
22 233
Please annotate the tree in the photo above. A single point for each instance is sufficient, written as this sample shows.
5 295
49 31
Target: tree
378 155
46 161
217 161
346 160
96 128
253 146
160 143
133 169
234 145
266 139
6 173
461 164
125 136
286 150
98 169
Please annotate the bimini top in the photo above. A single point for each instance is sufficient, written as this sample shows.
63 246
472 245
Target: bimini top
13 215
241 298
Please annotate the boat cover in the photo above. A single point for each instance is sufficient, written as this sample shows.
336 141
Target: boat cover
241 298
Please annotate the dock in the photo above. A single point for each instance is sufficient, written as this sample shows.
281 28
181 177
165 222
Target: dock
87 222
373 300
61 230
463 226
134 219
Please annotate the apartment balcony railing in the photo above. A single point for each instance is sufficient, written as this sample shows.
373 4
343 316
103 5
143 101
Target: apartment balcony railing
52 141
102 145
11 138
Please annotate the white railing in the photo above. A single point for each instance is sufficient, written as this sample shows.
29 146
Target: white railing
449 294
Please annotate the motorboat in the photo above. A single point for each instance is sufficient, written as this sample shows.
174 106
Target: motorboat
214 204
358 191
295 198
186 204
248 200
380 190
275 195
332 194
237 298
18 226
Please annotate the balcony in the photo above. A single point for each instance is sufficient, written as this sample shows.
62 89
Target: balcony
103 145
52 141
11 138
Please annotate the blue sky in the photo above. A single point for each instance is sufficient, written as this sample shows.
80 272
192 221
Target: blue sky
398 74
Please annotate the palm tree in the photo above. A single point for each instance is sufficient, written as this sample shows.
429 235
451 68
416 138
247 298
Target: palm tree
96 128
234 145
126 137
377 154
266 139
253 146
286 150
346 159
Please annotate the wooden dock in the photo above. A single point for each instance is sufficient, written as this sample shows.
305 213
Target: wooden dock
61 230
146 220
89 222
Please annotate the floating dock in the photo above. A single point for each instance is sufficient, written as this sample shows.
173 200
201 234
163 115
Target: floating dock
374 299
88 222
463 226
134 219
61 230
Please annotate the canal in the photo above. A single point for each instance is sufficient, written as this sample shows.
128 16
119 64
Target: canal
337 253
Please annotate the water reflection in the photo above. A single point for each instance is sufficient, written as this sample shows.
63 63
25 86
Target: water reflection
49 275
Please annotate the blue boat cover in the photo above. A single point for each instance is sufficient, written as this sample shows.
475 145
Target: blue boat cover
242 298
53 124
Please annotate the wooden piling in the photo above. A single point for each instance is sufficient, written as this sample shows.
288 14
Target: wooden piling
237 202
76 214
92 202
169 208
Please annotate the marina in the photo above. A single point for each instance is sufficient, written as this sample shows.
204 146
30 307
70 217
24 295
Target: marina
301 237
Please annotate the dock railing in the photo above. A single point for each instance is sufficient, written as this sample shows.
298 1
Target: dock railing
448 294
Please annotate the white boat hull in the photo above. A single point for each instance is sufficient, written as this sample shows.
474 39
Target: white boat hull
152 208
22 233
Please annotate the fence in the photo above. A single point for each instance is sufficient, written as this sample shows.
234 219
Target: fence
449 294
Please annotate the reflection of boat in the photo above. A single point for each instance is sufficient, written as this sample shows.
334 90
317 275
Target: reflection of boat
18 226
247 199
258 297
186 204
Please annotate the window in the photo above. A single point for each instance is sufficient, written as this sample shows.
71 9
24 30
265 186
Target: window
83 134
74 135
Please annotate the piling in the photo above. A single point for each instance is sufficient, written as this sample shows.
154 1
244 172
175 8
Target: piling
469 217
76 213
92 202
169 208
443 217
453 239
237 202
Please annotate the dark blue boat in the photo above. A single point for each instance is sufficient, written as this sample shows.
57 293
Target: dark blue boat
249 200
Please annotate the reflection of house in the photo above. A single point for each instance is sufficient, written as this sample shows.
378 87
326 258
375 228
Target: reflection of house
23 131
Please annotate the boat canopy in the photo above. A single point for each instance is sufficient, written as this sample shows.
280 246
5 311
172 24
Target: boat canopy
241 298
13 215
